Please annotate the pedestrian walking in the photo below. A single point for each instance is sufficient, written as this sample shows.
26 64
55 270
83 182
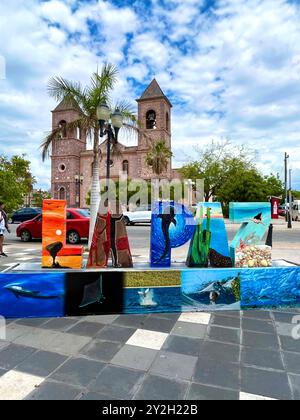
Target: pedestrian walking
3 227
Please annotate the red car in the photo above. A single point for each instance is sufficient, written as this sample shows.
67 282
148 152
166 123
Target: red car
78 223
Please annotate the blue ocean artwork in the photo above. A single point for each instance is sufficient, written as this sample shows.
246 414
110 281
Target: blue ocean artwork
172 225
219 238
32 295
152 300
270 288
209 290
246 212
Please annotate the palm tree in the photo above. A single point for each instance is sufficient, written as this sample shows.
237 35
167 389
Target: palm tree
158 159
87 99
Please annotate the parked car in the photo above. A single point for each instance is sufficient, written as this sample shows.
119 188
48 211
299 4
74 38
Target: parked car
282 210
78 223
26 213
141 214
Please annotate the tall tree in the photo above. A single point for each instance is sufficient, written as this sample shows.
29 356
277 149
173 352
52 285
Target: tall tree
16 181
158 159
88 99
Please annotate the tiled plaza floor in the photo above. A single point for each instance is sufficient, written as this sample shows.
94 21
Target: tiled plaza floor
228 355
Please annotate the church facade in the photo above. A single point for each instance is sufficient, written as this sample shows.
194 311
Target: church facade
71 162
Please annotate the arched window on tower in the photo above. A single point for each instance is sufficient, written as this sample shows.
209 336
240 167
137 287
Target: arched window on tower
125 167
167 121
62 193
151 120
63 126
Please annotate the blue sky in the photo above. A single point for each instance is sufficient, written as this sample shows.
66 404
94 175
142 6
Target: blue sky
230 67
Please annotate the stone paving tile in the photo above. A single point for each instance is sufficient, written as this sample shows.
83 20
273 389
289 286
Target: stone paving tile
265 383
13 355
183 345
245 396
171 316
225 335
2 372
87 329
262 358
149 339
260 341
60 324
292 362
17 385
117 382
235 314
230 322
102 319
285 329
54 341
283 317
257 314
159 324
220 351
174 365
101 350
52 391
136 321
258 326
134 357
295 383
115 333
3 344
195 317
187 329
14 331
217 373
41 363
78 372
289 344
94 396
199 392
161 389
32 322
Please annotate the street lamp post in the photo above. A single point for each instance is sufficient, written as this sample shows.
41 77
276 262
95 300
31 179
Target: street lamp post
78 181
109 125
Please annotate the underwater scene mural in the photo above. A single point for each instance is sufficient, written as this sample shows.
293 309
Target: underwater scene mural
270 288
32 295
172 225
152 292
209 290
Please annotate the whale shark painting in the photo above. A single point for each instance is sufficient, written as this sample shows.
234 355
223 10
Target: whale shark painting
32 296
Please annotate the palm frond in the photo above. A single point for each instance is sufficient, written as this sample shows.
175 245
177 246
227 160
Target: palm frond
63 89
48 140
102 84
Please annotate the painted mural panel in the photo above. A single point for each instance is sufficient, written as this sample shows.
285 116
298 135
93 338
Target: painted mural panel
152 292
270 288
32 295
110 238
245 212
209 245
94 293
210 290
55 253
172 226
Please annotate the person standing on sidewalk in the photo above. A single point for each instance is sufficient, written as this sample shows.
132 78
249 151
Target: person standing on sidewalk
3 226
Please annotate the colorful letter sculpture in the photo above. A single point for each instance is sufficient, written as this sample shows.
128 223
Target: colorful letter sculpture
246 248
172 225
209 245
55 252
110 236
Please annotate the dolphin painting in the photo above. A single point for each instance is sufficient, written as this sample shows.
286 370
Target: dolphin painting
166 219
19 291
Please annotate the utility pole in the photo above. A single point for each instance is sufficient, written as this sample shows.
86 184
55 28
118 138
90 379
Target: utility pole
290 200
286 157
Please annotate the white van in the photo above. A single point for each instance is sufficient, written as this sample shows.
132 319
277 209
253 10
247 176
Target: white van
296 210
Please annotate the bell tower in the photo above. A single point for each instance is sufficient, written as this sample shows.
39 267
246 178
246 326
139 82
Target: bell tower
66 151
154 115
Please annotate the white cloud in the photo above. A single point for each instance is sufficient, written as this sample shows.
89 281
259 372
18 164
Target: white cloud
232 71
